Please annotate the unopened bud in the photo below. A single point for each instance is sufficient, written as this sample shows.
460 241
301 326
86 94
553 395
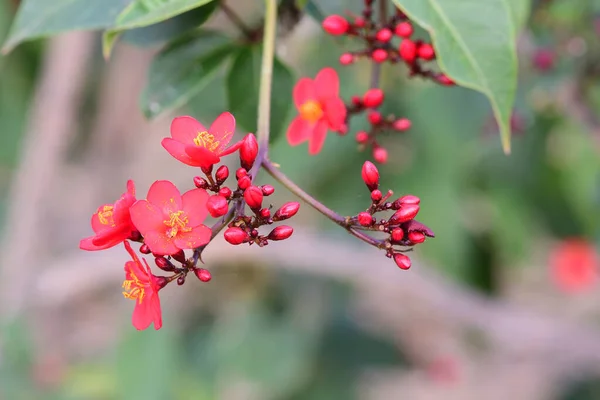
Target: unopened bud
248 151
335 25
164 264
265 213
181 280
207 170
370 175
416 237
288 210
373 98
200 183
253 197
225 192
365 219
402 261
376 196
397 235
405 213
409 199
244 182
240 172
281 232
375 117
144 249
203 274
267 190
235 235
217 205
222 174
402 124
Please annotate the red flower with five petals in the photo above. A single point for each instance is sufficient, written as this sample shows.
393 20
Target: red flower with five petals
140 285
320 109
169 221
194 145
111 223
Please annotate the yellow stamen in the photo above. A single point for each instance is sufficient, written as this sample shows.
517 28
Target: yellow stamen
205 139
311 111
134 288
177 222
106 216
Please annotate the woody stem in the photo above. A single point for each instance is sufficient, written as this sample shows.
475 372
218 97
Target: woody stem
266 78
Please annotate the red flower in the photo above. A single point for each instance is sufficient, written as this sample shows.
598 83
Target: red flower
111 223
194 145
320 109
169 221
574 265
140 285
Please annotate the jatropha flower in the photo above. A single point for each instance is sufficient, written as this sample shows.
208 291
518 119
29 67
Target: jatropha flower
140 285
169 221
320 109
194 145
112 223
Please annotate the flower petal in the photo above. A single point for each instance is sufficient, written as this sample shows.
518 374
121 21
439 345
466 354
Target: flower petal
143 314
147 217
131 187
103 218
304 91
335 111
177 150
88 244
165 195
299 131
160 244
194 205
185 129
327 84
317 139
201 156
231 149
121 210
111 237
222 129
198 236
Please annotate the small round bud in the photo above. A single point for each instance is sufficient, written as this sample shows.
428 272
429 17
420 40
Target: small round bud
207 170
265 213
244 182
288 210
362 137
217 205
200 183
379 55
373 98
370 175
248 151
164 264
267 190
253 197
409 199
402 124
426 52
360 22
376 196
346 59
281 233
408 51
397 235
365 219
384 35
222 174
240 173
225 192
135 236
236 235
356 101
335 25
203 274
380 155
416 237
144 249
543 60
375 117
402 261
404 30
404 214
179 256
181 280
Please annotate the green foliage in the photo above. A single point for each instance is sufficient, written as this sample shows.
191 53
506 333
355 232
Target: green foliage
242 90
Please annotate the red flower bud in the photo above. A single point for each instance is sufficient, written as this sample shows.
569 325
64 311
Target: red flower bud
267 190
240 173
375 117
248 151
402 124
376 196
288 210
244 182
365 219
360 22
362 137
181 280
144 249
207 170
222 174
379 55
164 264
346 59
281 232
404 30
543 59
373 98
265 213
444 80
384 35
402 261
397 235
253 197
370 175
408 51
426 52
409 199
203 274
380 155
356 101
405 213
416 237
236 235
414 225
335 25
225 192
200 183
217 206
179 256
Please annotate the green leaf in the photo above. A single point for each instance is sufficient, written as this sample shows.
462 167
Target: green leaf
142 13
475 45
243 83
39 18
519 10
171 28
183 69
311 8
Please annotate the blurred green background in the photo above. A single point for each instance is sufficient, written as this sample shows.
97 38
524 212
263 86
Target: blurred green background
263 332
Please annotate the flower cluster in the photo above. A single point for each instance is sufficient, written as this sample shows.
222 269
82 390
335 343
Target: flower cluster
167 223
401 227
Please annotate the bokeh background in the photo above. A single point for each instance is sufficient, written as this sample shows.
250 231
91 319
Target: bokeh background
503 303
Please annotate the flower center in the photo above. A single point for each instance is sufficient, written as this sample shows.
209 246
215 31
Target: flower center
134 288
311 111
177 222
205 139
105 216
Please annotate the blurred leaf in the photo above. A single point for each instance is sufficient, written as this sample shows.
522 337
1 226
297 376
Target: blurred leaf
89 381
17 361
243 82
183 69
311 8
39 18
171 28
520 12
478 53
142 13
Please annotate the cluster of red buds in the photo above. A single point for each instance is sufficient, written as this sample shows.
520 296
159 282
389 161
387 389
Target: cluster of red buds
378 38
401 227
